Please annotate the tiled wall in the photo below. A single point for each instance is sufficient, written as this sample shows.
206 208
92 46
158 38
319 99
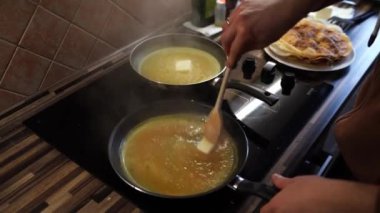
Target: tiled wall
43 42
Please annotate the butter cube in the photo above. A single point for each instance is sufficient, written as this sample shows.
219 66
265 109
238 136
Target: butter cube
183 66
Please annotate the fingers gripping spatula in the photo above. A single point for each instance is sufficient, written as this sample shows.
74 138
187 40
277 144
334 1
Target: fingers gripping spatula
214 123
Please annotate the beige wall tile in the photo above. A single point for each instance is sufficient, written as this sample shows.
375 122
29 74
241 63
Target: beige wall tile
64 8
92 15
8 99
15 15
25 73
121 29
56 74
45 33
100 50
182 7
75 48
151 13
6 51
35 1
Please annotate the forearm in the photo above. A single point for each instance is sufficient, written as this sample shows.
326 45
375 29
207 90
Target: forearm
317 5
255 24
367 198
317 194
356 196
297 9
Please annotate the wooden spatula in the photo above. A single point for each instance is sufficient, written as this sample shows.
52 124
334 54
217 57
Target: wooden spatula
214 123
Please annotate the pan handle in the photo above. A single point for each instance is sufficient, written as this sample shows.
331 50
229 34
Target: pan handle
256 92
261 190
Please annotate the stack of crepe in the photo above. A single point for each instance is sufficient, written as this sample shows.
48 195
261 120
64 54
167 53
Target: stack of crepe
313 42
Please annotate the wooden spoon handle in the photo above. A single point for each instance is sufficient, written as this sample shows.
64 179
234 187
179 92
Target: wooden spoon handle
223 86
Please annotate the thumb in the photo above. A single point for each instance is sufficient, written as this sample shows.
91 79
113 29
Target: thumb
280 181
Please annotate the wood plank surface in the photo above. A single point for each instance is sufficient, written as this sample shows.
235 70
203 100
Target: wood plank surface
34 177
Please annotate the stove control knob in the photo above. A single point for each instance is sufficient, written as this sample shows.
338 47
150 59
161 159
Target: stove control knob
268 73
288 82
248 67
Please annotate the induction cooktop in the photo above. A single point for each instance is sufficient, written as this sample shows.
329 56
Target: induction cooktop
80 125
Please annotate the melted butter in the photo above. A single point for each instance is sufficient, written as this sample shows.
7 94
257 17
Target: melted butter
179 66
160 155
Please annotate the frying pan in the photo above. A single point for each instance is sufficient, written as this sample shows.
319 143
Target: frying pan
152 44
146 47
234 181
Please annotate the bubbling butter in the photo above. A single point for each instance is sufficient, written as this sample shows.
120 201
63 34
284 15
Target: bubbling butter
179 66
161 156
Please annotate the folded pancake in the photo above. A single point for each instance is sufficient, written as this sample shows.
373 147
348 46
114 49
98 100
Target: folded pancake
313 42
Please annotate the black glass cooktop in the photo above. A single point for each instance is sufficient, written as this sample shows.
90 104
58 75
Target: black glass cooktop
80 126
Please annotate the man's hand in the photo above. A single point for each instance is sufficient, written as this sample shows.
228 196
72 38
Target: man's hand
257 23
317 194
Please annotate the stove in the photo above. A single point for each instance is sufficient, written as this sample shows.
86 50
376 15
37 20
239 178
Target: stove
282 137
80 124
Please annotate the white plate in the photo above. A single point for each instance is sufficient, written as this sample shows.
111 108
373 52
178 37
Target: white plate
312 67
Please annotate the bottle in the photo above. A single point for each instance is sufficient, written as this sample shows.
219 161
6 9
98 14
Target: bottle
202 12
220 12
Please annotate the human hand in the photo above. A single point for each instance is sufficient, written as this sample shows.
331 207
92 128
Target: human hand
254 24
317 194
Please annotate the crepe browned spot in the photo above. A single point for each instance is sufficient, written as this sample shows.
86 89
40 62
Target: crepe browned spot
314 42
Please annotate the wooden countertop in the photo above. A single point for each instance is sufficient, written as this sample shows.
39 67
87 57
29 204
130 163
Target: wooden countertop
35 177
